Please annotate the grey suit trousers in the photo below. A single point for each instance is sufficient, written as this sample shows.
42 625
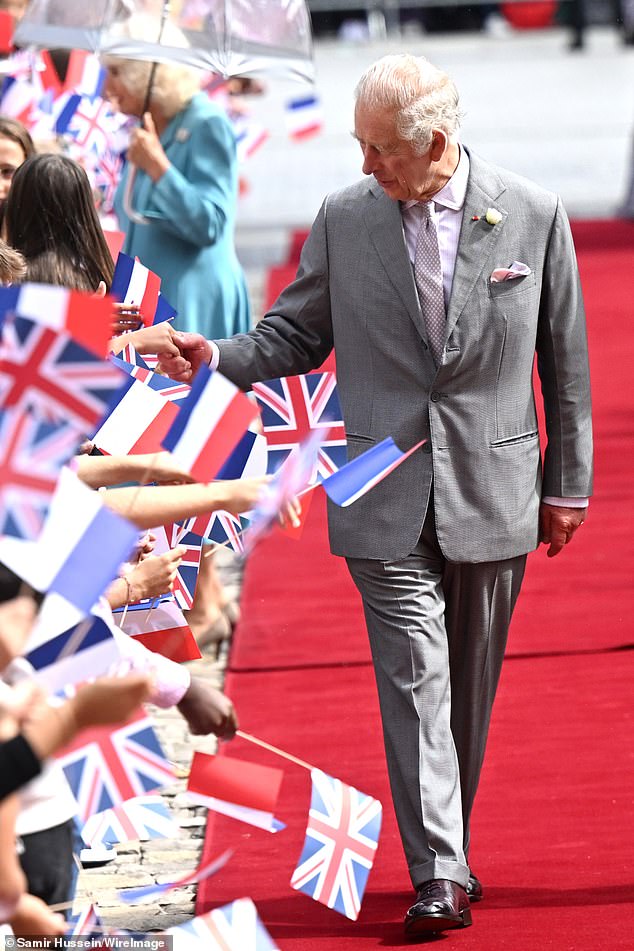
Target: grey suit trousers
437 632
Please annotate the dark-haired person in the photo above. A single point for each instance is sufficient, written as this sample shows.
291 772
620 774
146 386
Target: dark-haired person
50 218
16 146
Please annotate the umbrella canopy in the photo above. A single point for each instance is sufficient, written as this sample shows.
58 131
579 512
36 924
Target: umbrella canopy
229 37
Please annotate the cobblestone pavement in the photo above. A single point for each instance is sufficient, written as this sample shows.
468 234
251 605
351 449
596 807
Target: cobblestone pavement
163 860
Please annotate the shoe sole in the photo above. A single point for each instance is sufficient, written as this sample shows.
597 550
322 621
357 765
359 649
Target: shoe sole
425 924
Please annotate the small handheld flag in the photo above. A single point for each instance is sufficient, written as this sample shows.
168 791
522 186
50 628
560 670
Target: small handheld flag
138 420
106 766
133 283
233 927
236 788
361 474
294 407
161 628
209 425
342 836
304 116
85 318
86 650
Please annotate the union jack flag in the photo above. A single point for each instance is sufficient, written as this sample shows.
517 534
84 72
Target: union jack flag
53 374
107 174
233 927
104 767
342 835
85 922
169 389
187 573
294 407
141 818
93 125
223 528
32 453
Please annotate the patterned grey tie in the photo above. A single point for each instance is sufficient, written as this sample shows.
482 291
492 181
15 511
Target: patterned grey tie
428 277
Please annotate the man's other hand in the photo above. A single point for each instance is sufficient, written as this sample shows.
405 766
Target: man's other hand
557 525
194 352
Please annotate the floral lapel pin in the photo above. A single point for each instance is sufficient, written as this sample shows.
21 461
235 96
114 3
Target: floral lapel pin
492 216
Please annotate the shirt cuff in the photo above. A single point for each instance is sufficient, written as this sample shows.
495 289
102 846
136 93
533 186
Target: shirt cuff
569 503
214 359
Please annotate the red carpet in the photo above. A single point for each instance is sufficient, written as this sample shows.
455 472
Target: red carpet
552 828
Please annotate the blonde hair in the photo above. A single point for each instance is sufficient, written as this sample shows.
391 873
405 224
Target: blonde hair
174 85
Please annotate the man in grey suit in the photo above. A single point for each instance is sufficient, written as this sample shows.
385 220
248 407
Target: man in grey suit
436 281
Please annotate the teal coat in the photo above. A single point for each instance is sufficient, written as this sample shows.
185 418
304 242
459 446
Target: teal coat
189 242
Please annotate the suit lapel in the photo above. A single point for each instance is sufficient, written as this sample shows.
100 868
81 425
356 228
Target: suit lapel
477 238
383 220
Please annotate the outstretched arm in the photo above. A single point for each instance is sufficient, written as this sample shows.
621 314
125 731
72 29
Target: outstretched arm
153 505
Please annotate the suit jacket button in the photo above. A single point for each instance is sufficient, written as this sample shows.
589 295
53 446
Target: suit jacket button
427 447
434 396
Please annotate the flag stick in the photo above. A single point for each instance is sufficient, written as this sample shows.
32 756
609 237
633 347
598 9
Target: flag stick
61 906
275 749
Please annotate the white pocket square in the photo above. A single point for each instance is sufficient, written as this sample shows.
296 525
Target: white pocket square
516 269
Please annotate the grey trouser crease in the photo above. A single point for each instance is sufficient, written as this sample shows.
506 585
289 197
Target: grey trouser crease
437 633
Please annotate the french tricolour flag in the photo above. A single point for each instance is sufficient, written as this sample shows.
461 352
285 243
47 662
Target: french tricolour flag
133 283
138 423
85 318
304 116
86 650
244 791
361 474
209 425
250 136
247 459
80 549
161 628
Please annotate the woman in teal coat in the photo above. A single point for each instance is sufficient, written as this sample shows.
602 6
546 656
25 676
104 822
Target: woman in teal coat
186 185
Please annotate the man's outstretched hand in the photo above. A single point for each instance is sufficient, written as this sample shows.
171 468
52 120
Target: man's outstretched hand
194 351
557 525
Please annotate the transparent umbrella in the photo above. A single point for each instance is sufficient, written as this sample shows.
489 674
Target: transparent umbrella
229 37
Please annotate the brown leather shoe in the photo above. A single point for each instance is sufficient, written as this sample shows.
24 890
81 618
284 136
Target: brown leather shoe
474 888
440 905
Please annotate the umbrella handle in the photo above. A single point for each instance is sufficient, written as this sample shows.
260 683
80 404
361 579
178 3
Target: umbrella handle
132 214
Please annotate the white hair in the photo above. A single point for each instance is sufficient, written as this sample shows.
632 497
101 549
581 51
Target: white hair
174 85
420 95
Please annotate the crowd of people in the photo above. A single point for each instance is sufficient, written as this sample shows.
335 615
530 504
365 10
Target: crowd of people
435 280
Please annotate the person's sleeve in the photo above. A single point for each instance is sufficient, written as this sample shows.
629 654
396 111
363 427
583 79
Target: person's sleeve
562 362
18 765
171 681
195 203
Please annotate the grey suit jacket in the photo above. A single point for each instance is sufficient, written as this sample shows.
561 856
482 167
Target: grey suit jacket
355 291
